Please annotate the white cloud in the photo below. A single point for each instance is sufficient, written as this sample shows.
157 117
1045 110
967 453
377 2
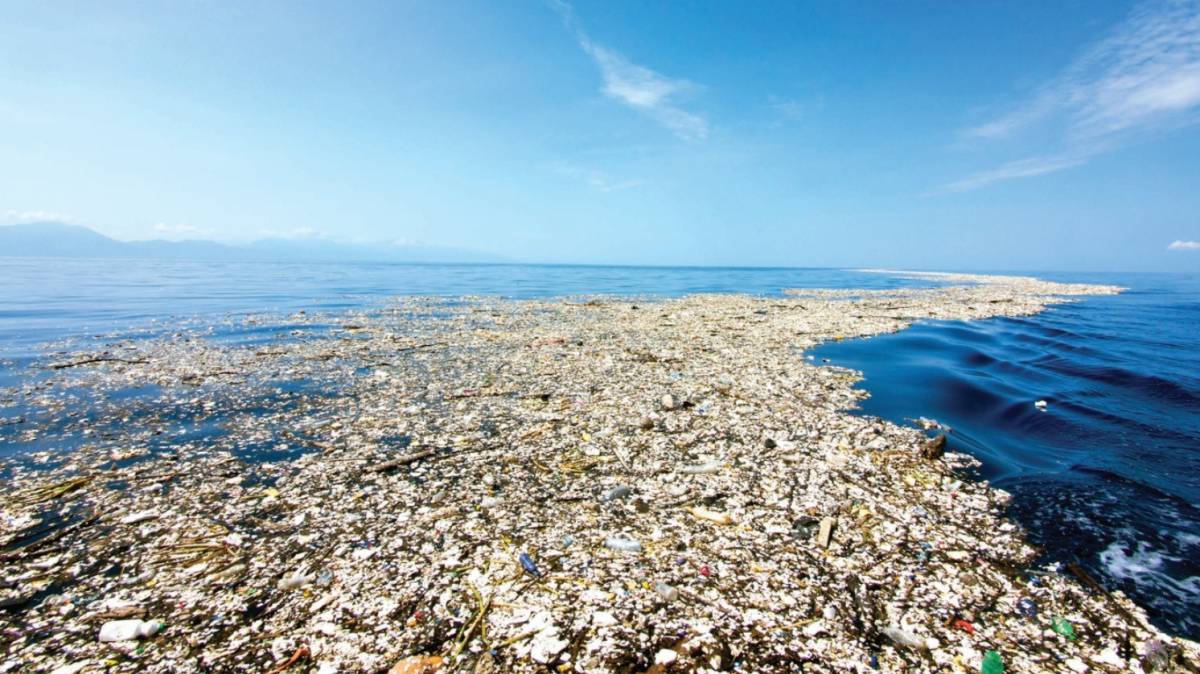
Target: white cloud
1022 168
1184 245
650 93
37 216
174 230
1142 79
295 233
787 109
1024 116
597 180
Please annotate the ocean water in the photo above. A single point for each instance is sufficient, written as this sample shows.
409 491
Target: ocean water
1108 476
44 299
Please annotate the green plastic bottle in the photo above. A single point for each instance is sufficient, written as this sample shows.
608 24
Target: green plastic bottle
1064 627
992 664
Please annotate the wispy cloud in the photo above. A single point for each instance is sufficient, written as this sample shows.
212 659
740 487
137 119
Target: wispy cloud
1142 79
38 216
175 230
790 110
1184 245
295 233
1022 168
597 180
793 110
786 110
638 87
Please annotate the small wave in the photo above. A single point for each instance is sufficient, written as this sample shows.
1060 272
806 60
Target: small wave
1152 386
979 359
1106 476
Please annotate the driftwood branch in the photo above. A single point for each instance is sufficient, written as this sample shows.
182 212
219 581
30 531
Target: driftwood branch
97 359
402 461
414 347
403 349
299 439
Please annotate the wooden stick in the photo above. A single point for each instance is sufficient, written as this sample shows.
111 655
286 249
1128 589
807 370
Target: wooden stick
98 359
299 439
402 461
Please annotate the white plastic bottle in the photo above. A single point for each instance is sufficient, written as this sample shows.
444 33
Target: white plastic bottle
623 544
128 630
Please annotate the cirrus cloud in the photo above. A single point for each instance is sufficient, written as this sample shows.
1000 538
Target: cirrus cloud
1021 168
38 216
1184 245
1142 79
649 92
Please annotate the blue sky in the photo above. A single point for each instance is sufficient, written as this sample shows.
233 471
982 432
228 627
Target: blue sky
980 135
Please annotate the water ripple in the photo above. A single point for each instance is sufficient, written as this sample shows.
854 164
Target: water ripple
1109 475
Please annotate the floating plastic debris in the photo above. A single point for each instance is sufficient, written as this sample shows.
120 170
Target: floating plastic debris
902 637
528 565
293 581
129 630
622 544
139 517
618 492
1027 607
1063 627
668 592
702 469
518 418
711 515
992 663
1156 657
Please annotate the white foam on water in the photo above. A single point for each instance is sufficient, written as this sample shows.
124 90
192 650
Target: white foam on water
1144 566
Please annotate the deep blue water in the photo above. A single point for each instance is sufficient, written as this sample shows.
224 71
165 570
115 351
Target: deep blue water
1108 475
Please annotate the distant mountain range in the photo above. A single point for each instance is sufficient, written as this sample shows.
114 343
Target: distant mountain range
57 239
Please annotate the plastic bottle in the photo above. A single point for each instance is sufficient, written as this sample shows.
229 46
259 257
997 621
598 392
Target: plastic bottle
620 491
1064 627
527 562
128 630
623 544
992 664
296 580
904 638
668 592
702 469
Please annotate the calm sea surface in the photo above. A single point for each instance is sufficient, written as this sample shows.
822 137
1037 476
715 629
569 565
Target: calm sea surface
44 299
1108 476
